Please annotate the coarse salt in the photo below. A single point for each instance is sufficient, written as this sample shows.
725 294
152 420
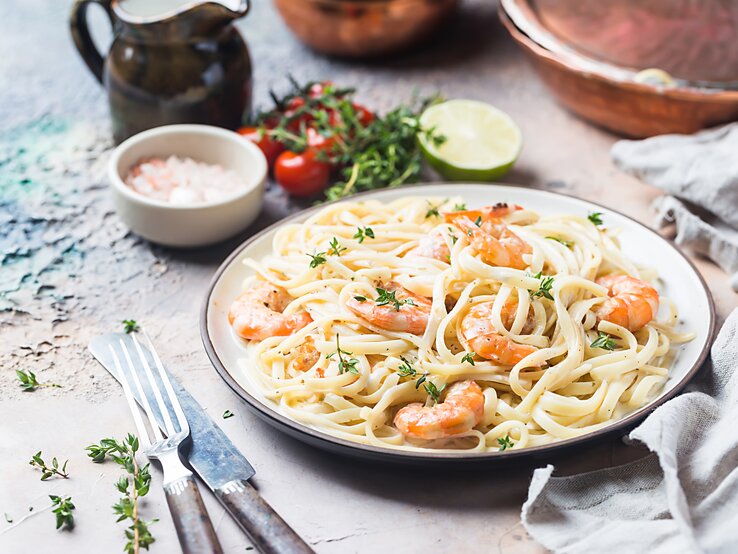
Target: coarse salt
183 181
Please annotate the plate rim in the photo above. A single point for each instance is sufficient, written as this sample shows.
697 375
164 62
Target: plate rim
348 447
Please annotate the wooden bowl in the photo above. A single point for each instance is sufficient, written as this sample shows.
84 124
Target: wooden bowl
588 77
363 28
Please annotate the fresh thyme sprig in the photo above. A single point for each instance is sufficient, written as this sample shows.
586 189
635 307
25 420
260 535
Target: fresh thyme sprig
603 341
132 486
49 471
433 391
29 383
386 297
335 248
63 508
544 289
362 233
345 365
433 209
566 243
130 326
317 259
595 217
469 357
505 443
460 207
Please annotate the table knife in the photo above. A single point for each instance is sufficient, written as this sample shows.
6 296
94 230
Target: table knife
220 465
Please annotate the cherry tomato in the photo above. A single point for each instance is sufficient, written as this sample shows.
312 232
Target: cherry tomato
364 115
318 142
305 119
317 89
270 147
301 174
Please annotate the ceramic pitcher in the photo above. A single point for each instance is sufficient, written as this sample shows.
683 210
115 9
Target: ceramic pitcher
170 62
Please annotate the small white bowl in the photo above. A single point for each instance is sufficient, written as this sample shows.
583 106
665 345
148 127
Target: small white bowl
196 224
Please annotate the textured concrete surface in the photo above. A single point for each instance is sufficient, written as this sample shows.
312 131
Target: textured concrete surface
69 270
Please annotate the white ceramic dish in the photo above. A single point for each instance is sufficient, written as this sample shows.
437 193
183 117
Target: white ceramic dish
680 281
198 224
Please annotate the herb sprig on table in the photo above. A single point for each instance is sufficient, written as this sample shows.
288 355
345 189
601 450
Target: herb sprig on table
63 508
29 382
49 471
132 486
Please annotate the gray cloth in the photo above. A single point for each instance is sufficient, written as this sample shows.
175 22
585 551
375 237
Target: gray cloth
682 498
700 173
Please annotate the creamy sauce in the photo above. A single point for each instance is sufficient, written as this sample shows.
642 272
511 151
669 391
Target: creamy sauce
183 181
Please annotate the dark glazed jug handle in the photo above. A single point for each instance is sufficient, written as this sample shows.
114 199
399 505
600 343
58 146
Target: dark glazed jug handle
81 34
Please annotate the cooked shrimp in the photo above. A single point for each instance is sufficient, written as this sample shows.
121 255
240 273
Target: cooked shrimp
306 355
408 314
492 239
632 303
257 313
459 413
484 339
432 246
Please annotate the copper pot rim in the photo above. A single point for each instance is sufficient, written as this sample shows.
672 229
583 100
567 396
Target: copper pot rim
368 4
675 93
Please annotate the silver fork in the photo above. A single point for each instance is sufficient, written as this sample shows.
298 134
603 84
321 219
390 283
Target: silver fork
194 528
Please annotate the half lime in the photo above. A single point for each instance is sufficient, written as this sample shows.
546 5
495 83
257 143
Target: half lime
482 142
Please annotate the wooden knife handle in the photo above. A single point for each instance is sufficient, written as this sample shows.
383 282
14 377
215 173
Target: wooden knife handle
194 528
267 530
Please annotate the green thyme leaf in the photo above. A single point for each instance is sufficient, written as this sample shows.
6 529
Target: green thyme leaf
433 391
505 443
335 248
603 341
468 357
595 217
130 326
63 508
566 243
317 259
362 233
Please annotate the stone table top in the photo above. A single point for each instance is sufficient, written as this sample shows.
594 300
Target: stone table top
69 270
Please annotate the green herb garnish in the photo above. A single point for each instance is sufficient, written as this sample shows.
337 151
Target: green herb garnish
433 209
566 243
362 233
335 248
603 341
63 509
433 391
228 414
478 221
460 207
345 365
49 471
468 357
544 288
595 217
453 236
360 298
130 326
385 297
505 443
406 370
132 486
317 259
29 383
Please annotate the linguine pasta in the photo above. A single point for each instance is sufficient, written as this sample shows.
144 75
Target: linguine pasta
582 375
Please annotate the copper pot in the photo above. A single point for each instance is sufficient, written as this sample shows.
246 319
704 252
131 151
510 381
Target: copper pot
603 88
363 28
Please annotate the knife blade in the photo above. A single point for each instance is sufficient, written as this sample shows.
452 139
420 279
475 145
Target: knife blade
217 461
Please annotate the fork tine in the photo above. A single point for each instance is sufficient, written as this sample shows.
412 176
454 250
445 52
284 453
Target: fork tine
143 435
158 436
155 388
181 418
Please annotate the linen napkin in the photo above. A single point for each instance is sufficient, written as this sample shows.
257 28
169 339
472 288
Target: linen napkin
682 498
700 174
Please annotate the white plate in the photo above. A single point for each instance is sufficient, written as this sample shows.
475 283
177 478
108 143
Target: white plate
680 281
